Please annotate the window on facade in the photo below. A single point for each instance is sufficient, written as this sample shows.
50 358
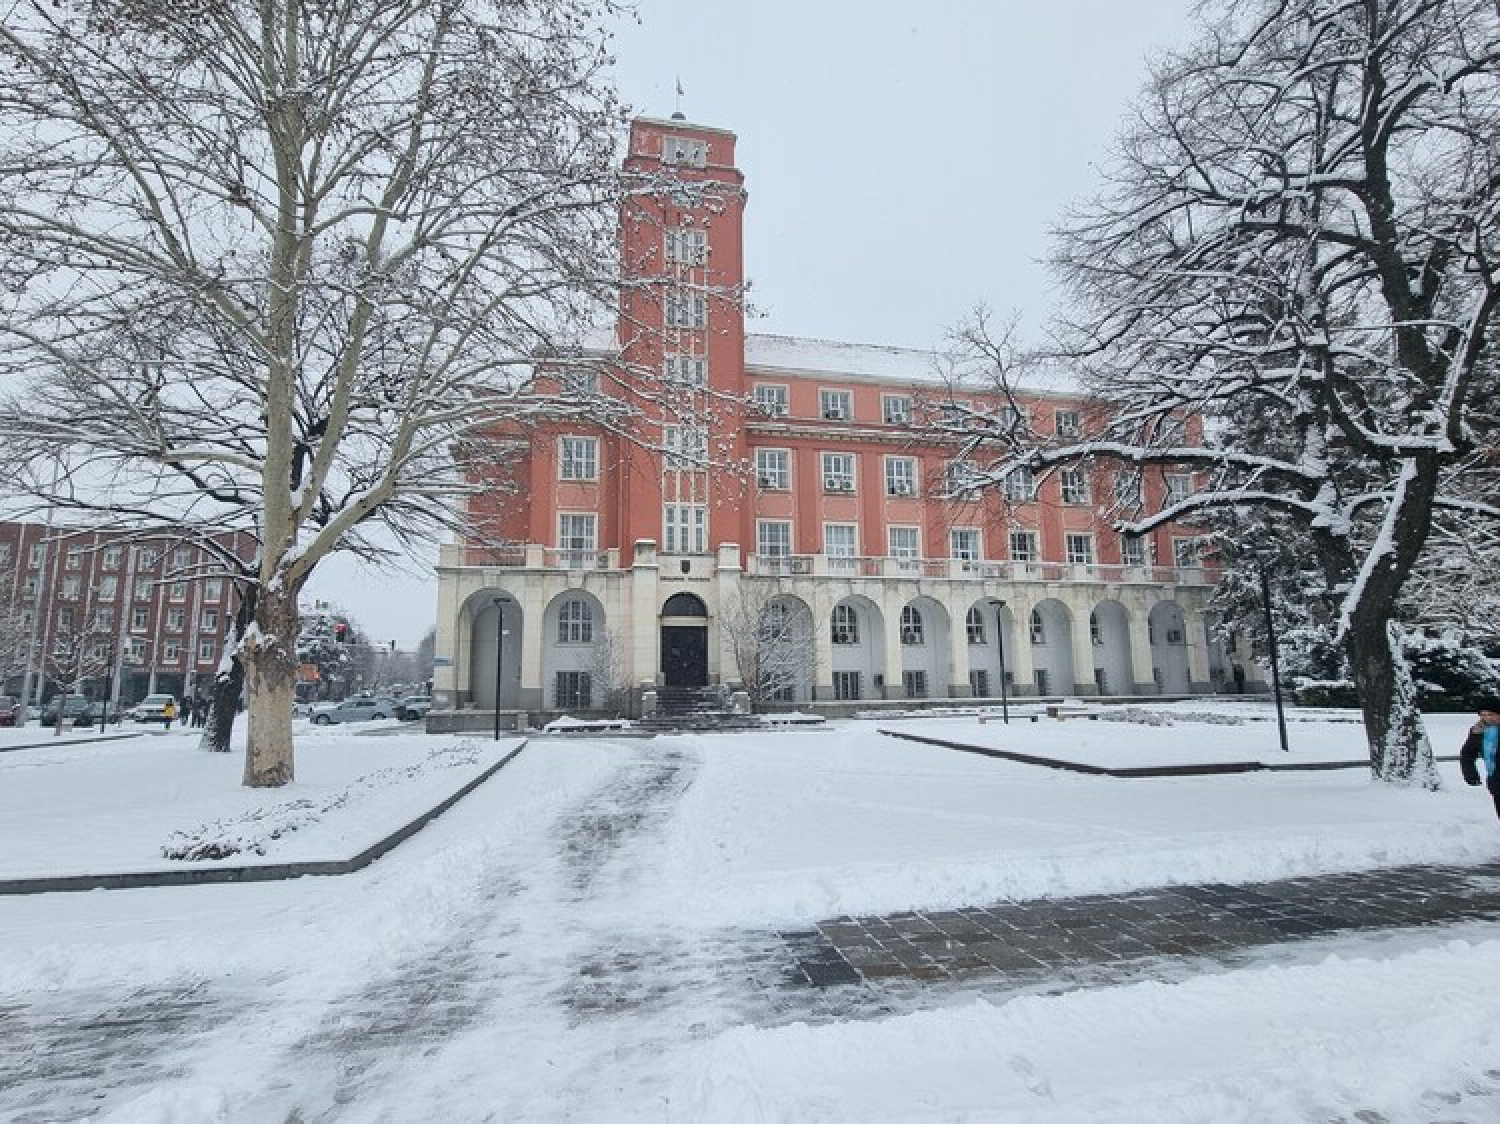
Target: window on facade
111 558
846 685
1038 628
687 245
109 587
209 620
179 591
1080 549
835 405
213 589
895 409
104 618
904 542
772 400
959 476
71 585
1128 490
1023 546
844 625
32 585
684 150
687 446
575 690
38 553
65 618
687 310
963 542
1187 553
839 540
182 558
171 651
838 472
143 589
1075 485
176 618
900 476
773 469
773 538
148 557
1132 550
690 370
974 625
685 528
580 384
1067 423
912 632
575 622
138 618
979 684
205 651
4 554
915 684
575 536
75 558
1020 485
579 458
1096 633
1179 487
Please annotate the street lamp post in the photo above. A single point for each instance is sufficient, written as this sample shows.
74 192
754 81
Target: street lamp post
1000 647
500 603
109 688
1265 597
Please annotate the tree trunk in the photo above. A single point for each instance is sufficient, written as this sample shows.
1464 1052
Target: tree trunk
269 654
1399 750
229 682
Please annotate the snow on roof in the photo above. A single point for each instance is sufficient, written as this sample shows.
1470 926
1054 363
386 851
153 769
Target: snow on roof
795 355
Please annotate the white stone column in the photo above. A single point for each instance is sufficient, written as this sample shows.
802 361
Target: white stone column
1083 645
1195 634
728 590
1018 659
1138 617
645 635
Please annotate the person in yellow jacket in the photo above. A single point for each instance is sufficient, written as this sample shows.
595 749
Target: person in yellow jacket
169 712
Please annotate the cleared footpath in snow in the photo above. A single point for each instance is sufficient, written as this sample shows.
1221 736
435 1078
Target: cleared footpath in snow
594 935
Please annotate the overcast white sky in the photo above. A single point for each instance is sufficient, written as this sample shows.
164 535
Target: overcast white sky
904 163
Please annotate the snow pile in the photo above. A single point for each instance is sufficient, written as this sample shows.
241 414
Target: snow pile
255 831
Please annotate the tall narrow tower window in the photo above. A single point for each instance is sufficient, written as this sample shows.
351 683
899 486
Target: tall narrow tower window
687 245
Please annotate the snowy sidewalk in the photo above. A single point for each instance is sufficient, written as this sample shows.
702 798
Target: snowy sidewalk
1103 938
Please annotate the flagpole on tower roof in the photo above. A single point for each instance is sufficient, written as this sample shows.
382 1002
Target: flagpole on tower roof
677 105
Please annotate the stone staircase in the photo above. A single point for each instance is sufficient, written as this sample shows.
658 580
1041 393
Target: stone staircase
698 709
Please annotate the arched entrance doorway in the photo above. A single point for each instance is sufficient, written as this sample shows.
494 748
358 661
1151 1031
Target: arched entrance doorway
684 641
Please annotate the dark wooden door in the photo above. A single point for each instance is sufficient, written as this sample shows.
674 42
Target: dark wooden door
684 656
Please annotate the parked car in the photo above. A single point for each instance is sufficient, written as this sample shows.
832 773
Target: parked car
78 710
355 710
413 707
153 708
10 710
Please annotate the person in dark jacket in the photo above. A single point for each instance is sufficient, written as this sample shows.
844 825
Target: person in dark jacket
1483 742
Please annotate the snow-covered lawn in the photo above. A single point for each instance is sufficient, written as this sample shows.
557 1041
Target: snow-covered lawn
590 859
109 805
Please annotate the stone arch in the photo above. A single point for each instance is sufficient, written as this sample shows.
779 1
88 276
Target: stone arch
784 650
1109 636
925 647
857 664
684 605
1050 632
991 642
576 641
1167 627
490 641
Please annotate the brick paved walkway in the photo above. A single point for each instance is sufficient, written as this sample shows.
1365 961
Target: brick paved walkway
1020 945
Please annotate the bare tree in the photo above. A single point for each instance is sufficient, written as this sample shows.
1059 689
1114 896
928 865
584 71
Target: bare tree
771 639
266 265
1298 256
609 684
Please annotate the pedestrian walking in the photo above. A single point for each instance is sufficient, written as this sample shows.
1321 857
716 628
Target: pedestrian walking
1483 742
169 712
188 710
200 715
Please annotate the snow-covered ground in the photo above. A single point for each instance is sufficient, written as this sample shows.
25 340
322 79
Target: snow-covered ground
83 804
583 938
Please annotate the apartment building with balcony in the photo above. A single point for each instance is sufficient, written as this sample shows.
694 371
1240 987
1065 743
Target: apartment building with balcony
143 613
791 482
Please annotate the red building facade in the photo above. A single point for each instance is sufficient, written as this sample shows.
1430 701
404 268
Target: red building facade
142 613
793 479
